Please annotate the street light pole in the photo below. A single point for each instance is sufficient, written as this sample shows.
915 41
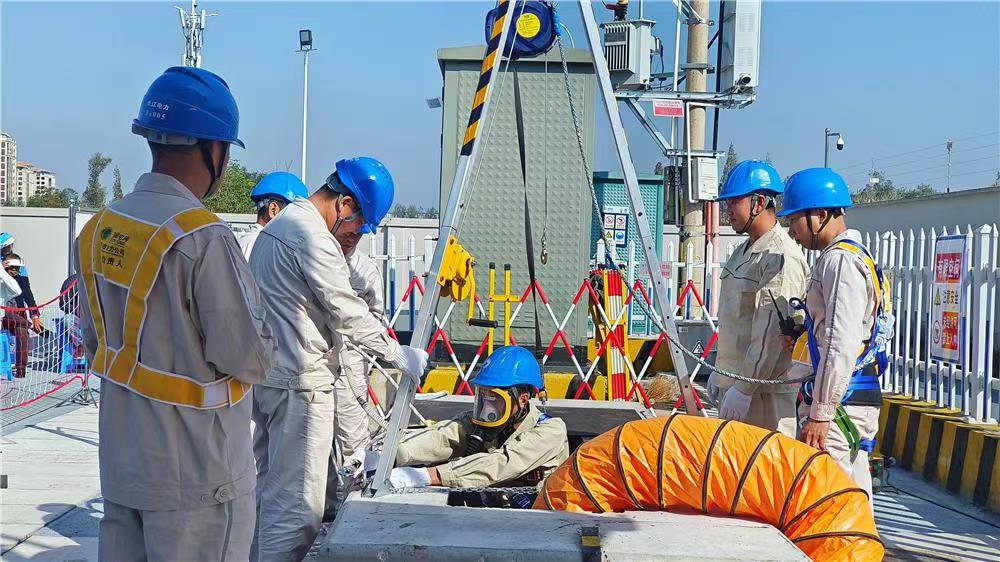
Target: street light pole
305 46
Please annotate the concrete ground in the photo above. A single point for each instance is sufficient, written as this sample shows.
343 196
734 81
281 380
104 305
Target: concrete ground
51 508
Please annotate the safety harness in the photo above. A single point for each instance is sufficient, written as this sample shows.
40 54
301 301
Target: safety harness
128 252
864 388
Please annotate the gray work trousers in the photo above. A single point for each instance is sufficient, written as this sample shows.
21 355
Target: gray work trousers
217 532
292 444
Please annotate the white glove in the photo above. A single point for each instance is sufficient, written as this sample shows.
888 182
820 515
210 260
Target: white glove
409 477
713 389
735 405
359 461
412 361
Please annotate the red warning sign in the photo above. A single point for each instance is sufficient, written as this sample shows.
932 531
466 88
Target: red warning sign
668 108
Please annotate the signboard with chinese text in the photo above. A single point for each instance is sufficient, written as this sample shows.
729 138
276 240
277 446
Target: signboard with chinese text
948 299
668 108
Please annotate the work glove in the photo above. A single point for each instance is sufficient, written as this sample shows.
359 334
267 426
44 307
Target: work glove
735 405
412 361
713 388
409 477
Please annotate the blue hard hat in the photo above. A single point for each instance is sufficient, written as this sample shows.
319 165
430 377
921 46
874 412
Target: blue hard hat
751 176
279 185
6 239
371 185
510 366
187 104
815 188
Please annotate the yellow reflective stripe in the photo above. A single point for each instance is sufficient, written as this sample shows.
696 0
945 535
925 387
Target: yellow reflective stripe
880 293
119 245
142 283
193 219
174 389
135 307
86 249
145 267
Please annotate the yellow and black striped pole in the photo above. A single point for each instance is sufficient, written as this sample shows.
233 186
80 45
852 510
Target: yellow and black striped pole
486 76
450 220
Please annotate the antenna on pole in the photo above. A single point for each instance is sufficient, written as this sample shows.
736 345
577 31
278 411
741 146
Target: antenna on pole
193 27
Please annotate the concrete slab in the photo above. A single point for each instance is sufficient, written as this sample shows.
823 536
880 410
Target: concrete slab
378 530
71 538
51 468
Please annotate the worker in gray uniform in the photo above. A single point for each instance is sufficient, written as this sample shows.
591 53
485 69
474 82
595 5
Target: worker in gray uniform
758 279
175 328
269 196
506 440
351 427
305 284
848 323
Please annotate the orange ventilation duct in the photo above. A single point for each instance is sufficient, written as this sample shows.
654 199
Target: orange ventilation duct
723 468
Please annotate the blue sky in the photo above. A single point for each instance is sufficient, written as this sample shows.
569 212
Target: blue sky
896 78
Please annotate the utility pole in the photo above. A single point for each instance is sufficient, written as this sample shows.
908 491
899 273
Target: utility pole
696 80
949 146
193 27
305 46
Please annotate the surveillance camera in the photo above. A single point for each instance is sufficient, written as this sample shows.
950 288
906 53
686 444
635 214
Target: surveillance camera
744 80
840 143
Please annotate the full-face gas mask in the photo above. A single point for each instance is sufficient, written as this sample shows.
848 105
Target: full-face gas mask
496 411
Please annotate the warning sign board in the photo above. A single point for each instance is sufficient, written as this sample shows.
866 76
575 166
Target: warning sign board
616 225
948 299
668 108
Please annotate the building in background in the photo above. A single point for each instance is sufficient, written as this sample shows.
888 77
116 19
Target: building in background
8 167
31 179
558 197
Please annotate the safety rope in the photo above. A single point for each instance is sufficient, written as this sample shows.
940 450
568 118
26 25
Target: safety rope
529 246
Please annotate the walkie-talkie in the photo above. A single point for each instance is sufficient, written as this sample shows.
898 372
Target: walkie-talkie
787 323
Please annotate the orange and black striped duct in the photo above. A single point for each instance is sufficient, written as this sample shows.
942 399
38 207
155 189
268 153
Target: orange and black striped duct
683 463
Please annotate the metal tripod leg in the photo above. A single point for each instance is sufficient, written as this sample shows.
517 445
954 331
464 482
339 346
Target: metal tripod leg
638 208
451 219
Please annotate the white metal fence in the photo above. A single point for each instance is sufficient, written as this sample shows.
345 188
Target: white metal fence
972 385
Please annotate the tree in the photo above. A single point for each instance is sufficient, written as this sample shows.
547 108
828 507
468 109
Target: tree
431 213
234 194
405 211
922 190
95 196
881 188
732 159
49 197
996 182
116 189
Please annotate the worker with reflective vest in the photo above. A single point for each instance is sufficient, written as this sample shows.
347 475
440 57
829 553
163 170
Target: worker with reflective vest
174 326
312 309
269 196
758 279
847 325
504 441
